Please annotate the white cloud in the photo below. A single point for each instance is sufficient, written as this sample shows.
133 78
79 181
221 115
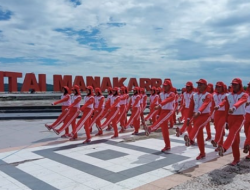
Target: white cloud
159 39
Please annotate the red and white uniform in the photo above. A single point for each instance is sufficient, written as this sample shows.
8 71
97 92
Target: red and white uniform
173 116
236 101
167 109
107 103
247 122
219 116
73 112
143 104
185 110
154 101
136 109
114 113
87 110
199 103
98 110
65 101
208 128
123 109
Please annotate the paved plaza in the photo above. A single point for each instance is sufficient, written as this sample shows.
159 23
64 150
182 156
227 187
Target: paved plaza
31 157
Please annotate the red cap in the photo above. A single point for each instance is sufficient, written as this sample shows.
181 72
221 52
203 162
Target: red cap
122 89
167 82
189 83
136 88
98 90
219 83
203 81
153 88
248 83
67 88
210 85
75 87
115 89
90 88
142 89
237 81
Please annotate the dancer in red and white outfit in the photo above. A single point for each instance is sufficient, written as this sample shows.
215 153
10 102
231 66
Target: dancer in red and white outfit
65 101
113 112
154 101
158 91
181 108
185 104
172 120
123 109
235 104
135 108
143 105
219 114
247 125
73 112
107 106
128 98
98 110
199 110
87 110
210 89
167 108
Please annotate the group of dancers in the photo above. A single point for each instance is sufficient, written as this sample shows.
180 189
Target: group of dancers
228 108
95 108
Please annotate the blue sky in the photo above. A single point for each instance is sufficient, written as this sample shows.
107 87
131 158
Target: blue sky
181 39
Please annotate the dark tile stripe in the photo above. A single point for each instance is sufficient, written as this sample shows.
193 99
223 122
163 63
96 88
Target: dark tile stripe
79 165
107 175
24 178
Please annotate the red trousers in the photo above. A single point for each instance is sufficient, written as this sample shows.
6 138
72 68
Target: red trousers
197 131
184 126
105 113
163 123
152 114
84 120
208 129
122 115
142 115
70 119
182 113
135 119
61 118
219 123
112 118
247 128
97 119
235 123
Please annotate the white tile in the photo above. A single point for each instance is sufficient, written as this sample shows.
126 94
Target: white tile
40 173
63 183
8 182
6 154
116 168
161 172
30 166
84 177
28 155
77 187
13 158
131 183
97 184
114 187
10 187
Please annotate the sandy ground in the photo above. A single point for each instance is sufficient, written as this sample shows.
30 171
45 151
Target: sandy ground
227 177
